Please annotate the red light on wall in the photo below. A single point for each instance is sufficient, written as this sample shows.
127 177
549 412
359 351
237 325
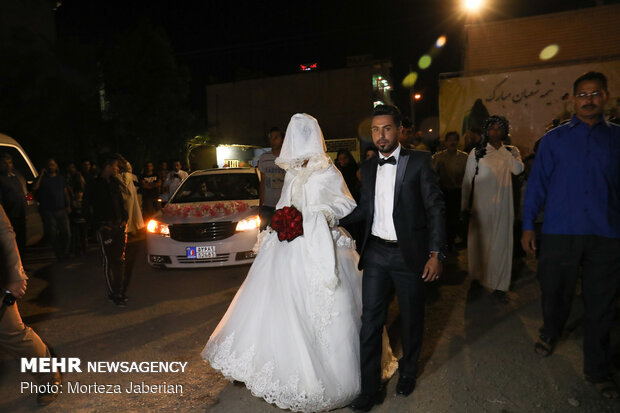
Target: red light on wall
308 67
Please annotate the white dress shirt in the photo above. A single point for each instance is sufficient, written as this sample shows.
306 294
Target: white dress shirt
382 221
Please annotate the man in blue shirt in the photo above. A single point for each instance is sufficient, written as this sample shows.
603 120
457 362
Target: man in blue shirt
576 179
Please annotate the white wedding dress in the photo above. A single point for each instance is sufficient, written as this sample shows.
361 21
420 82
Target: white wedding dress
291 334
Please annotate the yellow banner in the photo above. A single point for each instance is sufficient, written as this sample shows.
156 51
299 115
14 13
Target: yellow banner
529 99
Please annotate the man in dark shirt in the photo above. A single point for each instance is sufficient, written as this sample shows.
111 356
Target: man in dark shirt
13 199
55 205
580 191
110 221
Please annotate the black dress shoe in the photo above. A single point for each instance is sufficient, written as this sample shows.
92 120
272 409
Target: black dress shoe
405 385
53 389
364 402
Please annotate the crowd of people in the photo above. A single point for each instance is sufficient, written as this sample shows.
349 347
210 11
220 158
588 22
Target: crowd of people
407 204
493 203
102 203
66 204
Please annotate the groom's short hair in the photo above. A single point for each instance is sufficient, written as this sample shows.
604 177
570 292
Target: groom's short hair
389 110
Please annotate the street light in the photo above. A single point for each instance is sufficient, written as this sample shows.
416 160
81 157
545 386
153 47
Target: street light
417 96
472 6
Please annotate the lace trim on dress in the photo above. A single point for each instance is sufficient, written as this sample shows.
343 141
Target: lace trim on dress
265 239
322 306
260 381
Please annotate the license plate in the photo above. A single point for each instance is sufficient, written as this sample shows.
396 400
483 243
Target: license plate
200 252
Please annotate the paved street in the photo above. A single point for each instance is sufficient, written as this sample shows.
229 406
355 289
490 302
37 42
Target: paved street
477 357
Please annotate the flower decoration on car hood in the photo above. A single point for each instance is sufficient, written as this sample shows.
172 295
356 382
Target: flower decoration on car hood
205 210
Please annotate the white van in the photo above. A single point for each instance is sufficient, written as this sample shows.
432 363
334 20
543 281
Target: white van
25 170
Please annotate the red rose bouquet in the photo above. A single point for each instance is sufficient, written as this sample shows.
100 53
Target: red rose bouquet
288 223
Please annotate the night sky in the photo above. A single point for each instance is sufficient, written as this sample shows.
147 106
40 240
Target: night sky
221 41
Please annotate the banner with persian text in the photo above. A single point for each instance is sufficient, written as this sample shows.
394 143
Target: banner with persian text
530 99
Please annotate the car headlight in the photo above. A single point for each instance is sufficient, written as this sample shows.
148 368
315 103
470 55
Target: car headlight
159 228
249 223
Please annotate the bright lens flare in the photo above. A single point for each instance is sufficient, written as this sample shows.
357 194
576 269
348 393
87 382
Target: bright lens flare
549 52
156 227
410 79
441 41
424 62
472 5
248 223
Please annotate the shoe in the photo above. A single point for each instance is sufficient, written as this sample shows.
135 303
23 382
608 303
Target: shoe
364 402
120 301
405 385
544 346
501 296
607 387
55 387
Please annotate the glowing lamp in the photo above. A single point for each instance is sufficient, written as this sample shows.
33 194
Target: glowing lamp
249 223
159 228
472 5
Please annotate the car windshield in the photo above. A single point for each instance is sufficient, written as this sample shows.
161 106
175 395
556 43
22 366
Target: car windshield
218 187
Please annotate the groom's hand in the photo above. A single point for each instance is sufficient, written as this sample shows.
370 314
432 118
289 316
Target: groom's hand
432 269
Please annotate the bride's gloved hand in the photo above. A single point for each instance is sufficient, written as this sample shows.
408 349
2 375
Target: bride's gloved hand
331 219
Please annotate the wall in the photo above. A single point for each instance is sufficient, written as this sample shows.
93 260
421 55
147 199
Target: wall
243 112
580 34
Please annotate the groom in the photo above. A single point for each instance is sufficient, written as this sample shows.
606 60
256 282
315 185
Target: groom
401 249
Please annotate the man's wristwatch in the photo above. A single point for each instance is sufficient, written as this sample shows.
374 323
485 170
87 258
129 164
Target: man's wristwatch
440 255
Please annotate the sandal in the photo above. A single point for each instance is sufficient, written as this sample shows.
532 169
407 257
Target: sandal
606 387
544 346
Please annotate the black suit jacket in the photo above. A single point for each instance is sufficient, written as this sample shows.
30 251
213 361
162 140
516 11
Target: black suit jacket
418 207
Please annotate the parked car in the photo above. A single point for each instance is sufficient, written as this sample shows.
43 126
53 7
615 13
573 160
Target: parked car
210 221
27 173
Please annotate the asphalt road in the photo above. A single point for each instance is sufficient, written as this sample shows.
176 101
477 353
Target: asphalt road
477 356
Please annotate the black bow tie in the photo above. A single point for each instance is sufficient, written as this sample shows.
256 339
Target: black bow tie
390 160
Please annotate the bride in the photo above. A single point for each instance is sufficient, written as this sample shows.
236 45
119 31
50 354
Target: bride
291 334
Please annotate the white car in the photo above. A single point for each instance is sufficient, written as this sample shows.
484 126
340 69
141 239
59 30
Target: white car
27 173
210 221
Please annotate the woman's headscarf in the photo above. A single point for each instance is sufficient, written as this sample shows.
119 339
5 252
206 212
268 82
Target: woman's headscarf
303 141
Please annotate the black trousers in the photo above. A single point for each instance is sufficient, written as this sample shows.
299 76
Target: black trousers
112 244
561 256
454 226
384 271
